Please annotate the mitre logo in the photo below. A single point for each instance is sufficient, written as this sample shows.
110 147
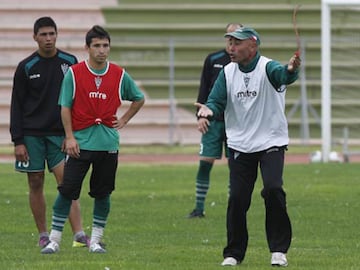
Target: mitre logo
246 94
34 76
98 95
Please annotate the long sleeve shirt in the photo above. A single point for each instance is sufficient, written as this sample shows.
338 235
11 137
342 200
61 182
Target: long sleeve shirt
36 87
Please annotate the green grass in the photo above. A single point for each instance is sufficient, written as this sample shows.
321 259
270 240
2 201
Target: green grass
147 228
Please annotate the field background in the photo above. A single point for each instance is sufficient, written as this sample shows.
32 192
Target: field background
148 228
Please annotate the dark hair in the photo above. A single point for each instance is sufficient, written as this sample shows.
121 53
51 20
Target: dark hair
44 22
96 32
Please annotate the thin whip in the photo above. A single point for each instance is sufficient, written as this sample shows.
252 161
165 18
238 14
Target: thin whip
297 53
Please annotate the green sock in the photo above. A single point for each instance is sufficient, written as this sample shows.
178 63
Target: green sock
202 183
101 211
61 210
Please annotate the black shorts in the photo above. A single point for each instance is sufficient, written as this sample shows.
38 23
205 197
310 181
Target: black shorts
102 178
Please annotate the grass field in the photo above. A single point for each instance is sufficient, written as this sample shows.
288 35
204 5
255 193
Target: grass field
147 228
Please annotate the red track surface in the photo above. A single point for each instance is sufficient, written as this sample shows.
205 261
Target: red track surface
185 158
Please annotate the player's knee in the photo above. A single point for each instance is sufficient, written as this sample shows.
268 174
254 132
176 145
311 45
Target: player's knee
36 181
272 192
69 192
274 196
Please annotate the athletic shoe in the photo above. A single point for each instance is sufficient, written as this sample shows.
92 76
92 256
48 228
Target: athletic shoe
82 241
229 261
50 248
278 259
43 241
196 214
96 248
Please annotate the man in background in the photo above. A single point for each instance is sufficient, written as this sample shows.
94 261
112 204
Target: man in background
213 139
35 123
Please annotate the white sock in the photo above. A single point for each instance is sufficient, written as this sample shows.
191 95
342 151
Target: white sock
96 235
55 236
43 234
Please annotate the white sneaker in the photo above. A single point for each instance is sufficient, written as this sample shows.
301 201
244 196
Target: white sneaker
229 261
278 259
96 248
50 248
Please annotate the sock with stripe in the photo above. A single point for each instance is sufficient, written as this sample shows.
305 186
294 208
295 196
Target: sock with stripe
100 214
202 183
61 210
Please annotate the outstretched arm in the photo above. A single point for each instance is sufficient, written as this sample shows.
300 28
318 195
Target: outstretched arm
203 110
294 63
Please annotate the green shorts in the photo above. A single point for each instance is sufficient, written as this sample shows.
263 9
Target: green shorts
214 141
41 149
